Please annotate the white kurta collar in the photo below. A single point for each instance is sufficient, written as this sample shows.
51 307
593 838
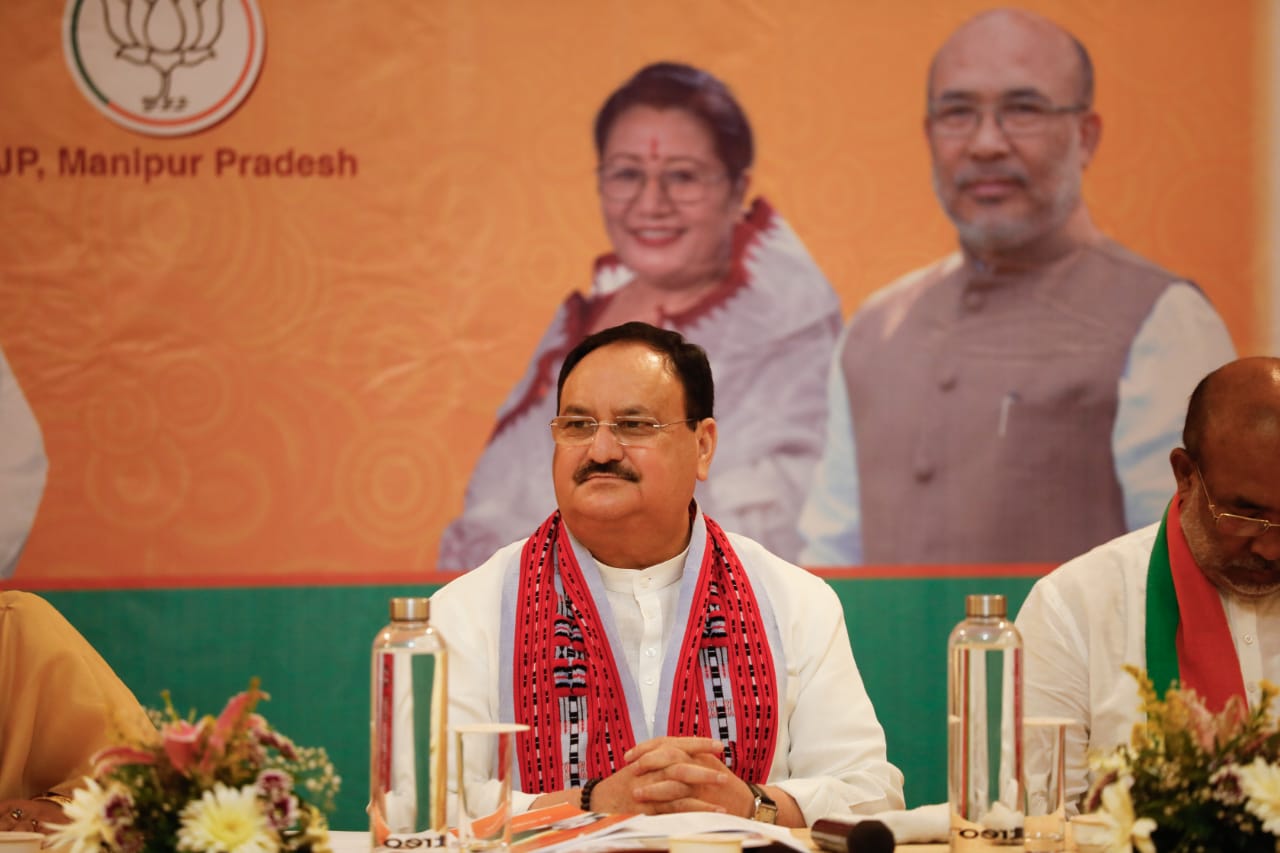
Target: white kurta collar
636 581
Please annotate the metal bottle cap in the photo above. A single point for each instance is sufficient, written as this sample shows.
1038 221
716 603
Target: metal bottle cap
410 609
985 605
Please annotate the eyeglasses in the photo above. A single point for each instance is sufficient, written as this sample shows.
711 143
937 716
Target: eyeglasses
1017 117
571 431
1231 524
683 185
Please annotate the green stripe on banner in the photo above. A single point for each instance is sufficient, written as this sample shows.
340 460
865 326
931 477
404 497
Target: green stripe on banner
311 647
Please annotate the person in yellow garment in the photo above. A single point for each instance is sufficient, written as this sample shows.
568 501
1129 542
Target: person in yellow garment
61 704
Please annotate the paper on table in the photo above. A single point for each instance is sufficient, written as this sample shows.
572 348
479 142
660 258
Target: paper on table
563 828
631 832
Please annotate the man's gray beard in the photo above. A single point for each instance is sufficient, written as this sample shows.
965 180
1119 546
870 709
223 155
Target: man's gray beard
1247 590
1010 235
1220 570
994 237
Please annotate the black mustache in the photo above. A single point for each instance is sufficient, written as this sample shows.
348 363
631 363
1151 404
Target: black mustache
612 468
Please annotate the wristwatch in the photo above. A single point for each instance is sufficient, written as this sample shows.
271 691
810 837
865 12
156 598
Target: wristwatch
764 809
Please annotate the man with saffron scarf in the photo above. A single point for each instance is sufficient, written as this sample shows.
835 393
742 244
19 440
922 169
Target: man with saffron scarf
662 664
60 703
1195 597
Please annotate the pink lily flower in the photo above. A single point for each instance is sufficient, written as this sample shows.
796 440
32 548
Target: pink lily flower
232 717
181 740
112 757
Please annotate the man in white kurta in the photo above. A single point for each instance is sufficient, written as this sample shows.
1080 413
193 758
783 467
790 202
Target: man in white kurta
1084 622
830 755
645 552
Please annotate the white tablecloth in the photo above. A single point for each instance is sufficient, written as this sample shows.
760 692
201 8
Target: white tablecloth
349 842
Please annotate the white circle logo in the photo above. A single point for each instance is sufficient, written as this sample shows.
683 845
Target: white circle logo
164 67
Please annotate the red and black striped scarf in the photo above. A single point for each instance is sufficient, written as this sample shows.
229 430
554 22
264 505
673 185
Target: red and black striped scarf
567 687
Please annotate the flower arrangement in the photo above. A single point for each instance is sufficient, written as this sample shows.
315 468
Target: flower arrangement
1191 779
230 784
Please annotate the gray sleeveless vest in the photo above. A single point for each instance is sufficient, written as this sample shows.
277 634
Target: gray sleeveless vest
983 407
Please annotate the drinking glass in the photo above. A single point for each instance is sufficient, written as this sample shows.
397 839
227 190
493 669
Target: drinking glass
486 763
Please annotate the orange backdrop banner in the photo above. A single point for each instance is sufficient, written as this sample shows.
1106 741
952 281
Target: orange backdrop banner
274 348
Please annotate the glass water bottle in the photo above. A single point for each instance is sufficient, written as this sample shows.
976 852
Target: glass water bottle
408 729
984 728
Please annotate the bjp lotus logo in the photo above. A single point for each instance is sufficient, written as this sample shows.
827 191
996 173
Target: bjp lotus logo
164 35
164 67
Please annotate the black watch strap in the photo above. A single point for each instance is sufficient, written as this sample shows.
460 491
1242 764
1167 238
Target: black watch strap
764 809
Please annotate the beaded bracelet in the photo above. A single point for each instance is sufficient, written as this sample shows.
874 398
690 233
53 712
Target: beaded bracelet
587 788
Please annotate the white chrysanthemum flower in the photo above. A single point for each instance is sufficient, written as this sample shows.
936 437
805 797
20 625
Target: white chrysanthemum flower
87 828
1260 782
1140 833
226 820
1125 833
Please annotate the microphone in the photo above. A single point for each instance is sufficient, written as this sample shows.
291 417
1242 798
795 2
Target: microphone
865 836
